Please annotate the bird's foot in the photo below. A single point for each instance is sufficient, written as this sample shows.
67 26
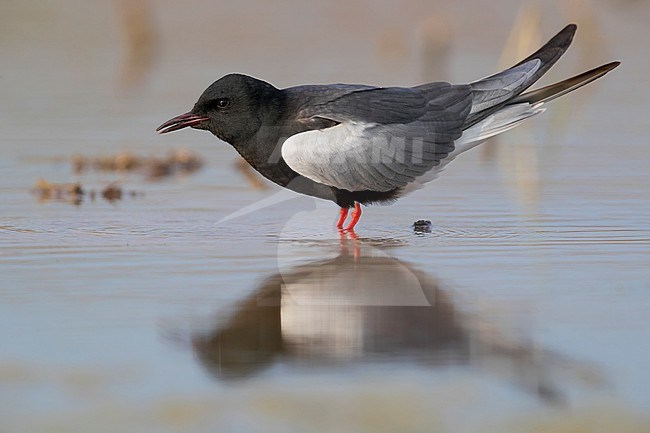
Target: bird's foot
355 217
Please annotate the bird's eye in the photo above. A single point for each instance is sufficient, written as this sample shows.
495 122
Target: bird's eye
222 103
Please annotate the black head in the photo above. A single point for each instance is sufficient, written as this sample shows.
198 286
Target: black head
233 108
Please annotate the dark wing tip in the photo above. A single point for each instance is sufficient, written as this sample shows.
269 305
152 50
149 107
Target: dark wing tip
612 65
566 34
548 93
551 51
603 69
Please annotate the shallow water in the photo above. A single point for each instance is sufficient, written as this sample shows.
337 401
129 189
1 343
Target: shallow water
524 307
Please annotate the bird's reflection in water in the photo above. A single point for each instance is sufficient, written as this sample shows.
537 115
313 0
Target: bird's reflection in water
363 307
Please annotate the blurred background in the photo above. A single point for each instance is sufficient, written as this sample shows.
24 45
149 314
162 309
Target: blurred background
127 305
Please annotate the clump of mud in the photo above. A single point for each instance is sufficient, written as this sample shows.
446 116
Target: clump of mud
422 226
75 193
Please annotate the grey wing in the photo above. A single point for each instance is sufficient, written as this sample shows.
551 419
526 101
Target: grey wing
384 138
492 93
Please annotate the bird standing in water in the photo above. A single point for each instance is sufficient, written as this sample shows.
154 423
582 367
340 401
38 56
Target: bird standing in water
356 144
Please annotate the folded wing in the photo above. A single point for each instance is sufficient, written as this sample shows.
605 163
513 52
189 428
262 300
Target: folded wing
360 138
384 138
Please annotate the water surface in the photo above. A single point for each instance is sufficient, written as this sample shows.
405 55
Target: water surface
524 307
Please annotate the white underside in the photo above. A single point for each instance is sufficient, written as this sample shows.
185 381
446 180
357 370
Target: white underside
321 155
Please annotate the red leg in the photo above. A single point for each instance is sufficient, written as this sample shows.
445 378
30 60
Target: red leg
343 214
356 215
